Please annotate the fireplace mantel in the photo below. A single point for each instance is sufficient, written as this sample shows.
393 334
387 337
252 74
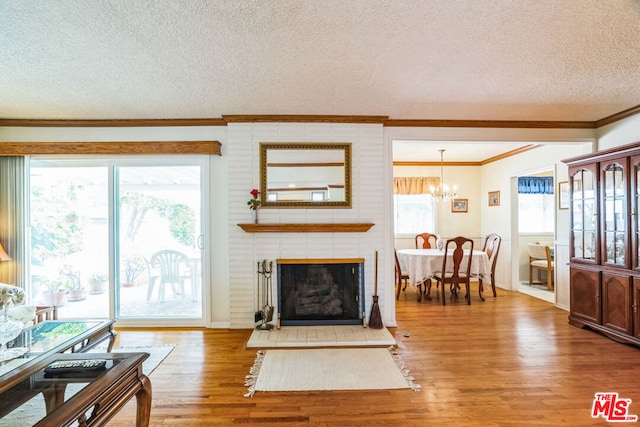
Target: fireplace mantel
360 227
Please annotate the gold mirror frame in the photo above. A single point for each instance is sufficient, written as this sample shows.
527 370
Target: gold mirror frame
265 148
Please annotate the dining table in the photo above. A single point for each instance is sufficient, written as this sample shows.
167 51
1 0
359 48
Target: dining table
420 264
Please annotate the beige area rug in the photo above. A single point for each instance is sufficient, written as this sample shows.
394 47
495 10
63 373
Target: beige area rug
321 336
34 410
328 369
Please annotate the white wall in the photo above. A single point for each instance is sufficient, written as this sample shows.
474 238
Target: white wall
501 175
233 253
370 185
216 236
623 132
450 224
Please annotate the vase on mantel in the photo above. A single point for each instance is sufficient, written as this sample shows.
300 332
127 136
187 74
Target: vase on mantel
255 216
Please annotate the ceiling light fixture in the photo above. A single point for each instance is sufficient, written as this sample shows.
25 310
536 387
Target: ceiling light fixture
442 193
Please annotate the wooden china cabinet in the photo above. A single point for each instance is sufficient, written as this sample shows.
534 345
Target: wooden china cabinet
604 242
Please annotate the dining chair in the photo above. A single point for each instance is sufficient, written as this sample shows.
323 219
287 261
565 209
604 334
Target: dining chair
450 272
402 278
540 259
423 240
491 248
173 269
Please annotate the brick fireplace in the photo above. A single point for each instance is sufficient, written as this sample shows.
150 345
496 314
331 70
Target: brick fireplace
320 291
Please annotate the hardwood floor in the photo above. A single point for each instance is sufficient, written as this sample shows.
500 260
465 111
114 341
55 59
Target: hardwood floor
509 361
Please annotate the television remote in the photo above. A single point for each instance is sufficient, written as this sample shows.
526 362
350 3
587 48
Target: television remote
75 366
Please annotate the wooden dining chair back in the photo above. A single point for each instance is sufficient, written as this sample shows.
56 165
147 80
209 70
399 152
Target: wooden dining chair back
402 278
540 259
423 240
491 248
451 272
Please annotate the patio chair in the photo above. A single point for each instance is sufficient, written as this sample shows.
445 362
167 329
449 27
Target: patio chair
173 270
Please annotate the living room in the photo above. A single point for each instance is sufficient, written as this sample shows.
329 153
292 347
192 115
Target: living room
274 96
233 252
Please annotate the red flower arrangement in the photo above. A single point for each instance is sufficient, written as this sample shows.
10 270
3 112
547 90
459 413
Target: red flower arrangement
254 203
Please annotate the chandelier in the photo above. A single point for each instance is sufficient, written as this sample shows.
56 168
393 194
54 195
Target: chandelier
442 193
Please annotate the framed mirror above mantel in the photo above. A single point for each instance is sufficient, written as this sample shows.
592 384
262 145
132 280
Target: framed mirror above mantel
305 175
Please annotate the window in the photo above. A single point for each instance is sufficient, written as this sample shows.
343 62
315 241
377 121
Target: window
536 213
414 213
536 204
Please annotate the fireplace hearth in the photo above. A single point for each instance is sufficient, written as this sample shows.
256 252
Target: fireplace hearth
320 291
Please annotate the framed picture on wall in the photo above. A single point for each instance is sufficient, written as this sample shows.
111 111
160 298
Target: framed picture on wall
563 195
494 198
459 205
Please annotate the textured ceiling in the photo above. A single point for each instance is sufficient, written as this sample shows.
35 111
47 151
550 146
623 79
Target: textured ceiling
430 59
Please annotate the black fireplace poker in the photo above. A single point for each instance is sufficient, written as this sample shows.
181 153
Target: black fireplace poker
264 313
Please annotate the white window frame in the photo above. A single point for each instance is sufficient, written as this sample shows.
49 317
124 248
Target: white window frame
110 161
419 228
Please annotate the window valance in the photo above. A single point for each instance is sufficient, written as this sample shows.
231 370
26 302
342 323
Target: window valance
110 148
535 185
414 185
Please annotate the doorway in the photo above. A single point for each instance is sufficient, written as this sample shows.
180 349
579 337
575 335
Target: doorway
95 227
535 224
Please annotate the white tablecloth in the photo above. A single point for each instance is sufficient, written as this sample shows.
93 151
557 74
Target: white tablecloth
420 264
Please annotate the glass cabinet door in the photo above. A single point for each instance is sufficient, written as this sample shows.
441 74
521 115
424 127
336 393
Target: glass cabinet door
614 213
635 209
584 211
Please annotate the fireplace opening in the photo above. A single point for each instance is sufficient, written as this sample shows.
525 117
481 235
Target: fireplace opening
320 291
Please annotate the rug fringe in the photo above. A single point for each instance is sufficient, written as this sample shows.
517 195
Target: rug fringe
403 368
251 379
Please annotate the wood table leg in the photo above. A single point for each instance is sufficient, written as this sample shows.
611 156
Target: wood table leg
112 340
54 396
143 402
427 289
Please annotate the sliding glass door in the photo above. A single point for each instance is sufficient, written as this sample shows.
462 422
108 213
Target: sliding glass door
118 238
158 246
69 238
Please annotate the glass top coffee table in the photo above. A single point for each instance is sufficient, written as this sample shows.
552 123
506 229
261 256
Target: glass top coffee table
29 397
78 399
57 336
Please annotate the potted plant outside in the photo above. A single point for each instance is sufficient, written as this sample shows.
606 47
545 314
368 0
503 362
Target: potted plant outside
98 283
71 281
133 267
54 293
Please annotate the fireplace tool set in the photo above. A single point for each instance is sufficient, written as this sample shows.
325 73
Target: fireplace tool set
264 312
